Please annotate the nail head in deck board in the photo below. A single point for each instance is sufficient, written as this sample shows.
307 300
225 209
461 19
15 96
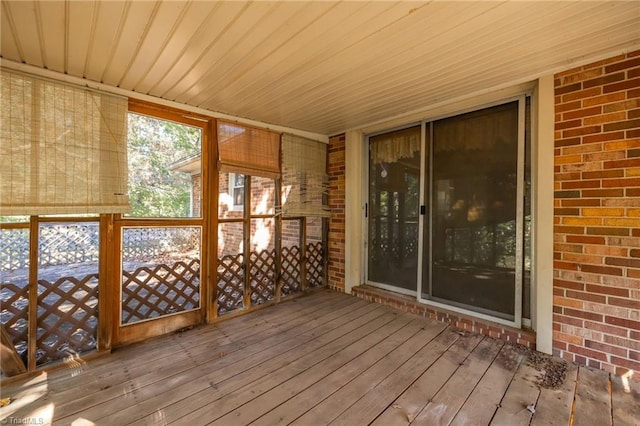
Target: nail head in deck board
593 405
408 405
483 402
522 391
625 395
555 405
446 403
302 402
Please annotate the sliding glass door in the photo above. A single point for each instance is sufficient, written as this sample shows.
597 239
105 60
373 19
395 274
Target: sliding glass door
470 198
394 194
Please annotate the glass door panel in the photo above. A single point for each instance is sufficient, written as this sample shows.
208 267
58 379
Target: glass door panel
473 206
394 193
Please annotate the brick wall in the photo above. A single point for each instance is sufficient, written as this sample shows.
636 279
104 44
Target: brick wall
464 322
336 167
597 214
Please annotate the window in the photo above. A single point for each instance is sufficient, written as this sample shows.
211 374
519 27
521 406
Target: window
236 189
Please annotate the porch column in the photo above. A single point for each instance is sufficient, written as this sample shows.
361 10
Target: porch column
354 210
542 308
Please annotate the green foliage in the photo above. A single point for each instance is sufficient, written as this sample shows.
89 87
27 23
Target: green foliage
154 146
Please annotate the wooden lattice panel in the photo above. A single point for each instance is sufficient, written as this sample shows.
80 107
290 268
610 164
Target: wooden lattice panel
230 283
62 244
14 249
14 314
151 292
290 271
262 273
315 265
67 317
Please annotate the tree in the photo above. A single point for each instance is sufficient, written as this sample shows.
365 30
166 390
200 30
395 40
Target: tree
154 145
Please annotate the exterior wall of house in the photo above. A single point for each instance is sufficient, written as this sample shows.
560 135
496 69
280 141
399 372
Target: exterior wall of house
596 319
336 170
596 284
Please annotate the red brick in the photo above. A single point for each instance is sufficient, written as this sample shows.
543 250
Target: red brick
581 131
621 125
585 239
566 89
631 63
568 284
581 94
621 164
596 269
604 173
581 184
600 81
587 352
625 303
603 347
566 142
580 113
607 231
568 124
583 202
623 85
603 99
622 322
570 106
610 183
603 137
605 328
620 261
627 363
622 292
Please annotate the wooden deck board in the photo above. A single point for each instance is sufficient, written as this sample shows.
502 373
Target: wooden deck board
593 402
175 364
625 396
320 359
406 407
446 403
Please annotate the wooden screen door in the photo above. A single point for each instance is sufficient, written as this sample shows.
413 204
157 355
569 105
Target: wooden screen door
160 246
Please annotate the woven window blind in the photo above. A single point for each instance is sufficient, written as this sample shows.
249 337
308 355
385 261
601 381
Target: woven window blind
304 177
63 148
247 150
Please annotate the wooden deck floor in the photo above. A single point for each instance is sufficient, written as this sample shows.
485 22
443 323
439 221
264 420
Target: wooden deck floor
327 358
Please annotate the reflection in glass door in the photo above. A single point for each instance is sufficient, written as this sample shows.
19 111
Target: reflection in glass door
394 196
476 244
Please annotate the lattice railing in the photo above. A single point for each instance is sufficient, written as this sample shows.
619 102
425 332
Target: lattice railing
14 311
262 273
151 292
290 272
315 265
67 317
63 244
145 243
230 283
14 249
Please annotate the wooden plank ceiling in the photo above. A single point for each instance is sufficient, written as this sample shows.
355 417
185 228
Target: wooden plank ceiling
321 66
